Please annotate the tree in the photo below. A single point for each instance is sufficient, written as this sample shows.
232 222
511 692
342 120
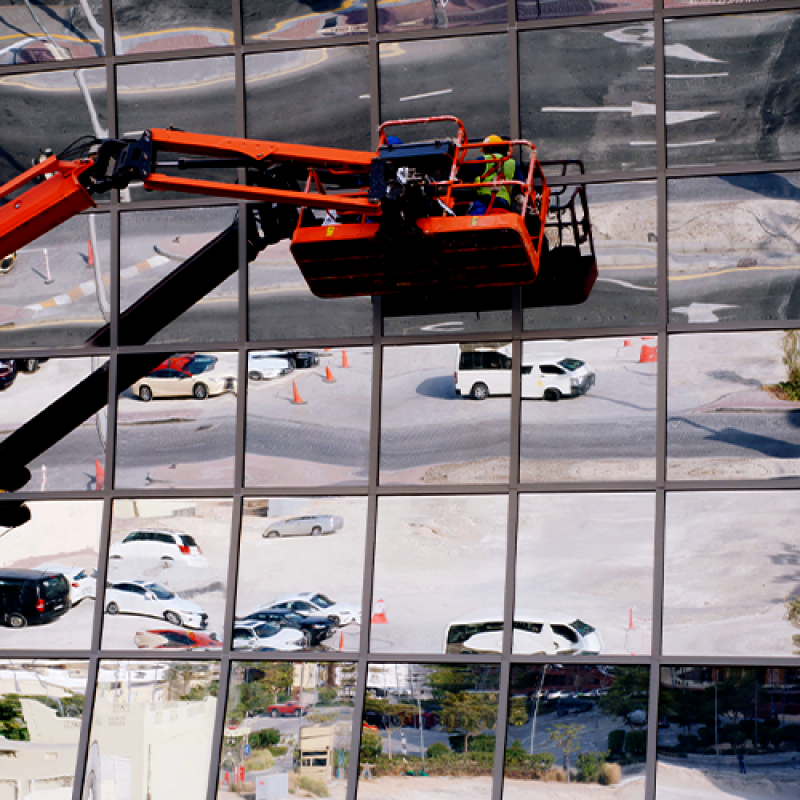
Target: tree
517 715
565 738
391 715
468 712
629 691
793 616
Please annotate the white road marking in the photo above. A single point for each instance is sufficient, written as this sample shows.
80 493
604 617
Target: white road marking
687 54
636 109
702 312
426 94
455 325
686 76
675 144
628 285
363 97
642 34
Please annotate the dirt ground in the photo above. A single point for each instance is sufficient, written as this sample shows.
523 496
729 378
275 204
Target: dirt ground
679 783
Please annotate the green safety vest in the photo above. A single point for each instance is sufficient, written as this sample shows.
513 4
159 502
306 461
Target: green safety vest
491 172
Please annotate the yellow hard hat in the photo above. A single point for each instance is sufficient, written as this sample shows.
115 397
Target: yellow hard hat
493 139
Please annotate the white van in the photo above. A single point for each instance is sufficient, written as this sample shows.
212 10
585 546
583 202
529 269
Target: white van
534 634
483 370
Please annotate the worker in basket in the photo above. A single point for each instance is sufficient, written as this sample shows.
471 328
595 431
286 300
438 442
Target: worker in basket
499 166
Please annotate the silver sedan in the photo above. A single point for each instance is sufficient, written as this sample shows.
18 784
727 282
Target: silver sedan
311 525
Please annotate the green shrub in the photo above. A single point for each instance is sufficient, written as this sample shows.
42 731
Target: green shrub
483 743
265 738
616 741
371 745
456 742
636 744
688 741
706 736
516 755
438 750
327 694
542 762
314 785
279 750
590 767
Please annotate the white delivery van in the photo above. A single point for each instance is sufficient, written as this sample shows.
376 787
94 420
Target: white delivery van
483 370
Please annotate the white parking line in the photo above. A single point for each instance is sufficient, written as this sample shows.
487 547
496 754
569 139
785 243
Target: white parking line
426 94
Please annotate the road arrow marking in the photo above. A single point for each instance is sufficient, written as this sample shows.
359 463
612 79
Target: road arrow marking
702 312
636 109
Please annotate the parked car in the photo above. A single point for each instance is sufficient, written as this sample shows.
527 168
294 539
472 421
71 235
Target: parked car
266 366
152 600
288 709
572 705
160 545
303 359
82 580
317 629
263 636
31 596
8 373
170 639
194 379
484 370
309 604
29 364
200 363
310 525
534 634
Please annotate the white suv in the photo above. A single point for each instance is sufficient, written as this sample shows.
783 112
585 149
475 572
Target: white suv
159 545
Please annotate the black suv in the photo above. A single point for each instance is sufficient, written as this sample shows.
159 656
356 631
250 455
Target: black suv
30 596
316 629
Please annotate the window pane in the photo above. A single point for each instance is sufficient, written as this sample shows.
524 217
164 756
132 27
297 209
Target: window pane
42 705
731 252
546 9
466 77
153 244
439 15
51 30
730 408
726 587
144 714
588 721
598 104
185 436
446 416
562 538
314 545
47 604
308 415
729 88
177 552
588 410
300 20
451 753
439 574
152 27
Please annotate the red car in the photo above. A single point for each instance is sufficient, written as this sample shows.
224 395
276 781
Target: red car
169 638
287 709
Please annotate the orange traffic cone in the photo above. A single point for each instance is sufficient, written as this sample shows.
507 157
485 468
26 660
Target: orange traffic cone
379 617
90 256
341 640
328 375
648 354
297 400
99 475
345 363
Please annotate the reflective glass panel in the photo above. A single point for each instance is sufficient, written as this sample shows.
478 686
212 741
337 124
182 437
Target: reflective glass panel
435 722
288 728
50 30
176 425
439 571
727 731
30 384
167 574
56 289
412 322
546 9
731 251
438 15
48 577
153 244
295 19
45 112
731 408
598 103
151 27
308 414
588 410
301 569
561 539
623 220
465 77
42 706
578 724
730 87
145 713
445 414
729 578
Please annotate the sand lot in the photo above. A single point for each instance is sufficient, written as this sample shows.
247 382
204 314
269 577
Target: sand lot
679 783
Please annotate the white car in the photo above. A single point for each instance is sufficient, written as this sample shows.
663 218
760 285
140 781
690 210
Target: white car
264 636
266 365
310 604
82 580
534 634
152 600
194 379
156 544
